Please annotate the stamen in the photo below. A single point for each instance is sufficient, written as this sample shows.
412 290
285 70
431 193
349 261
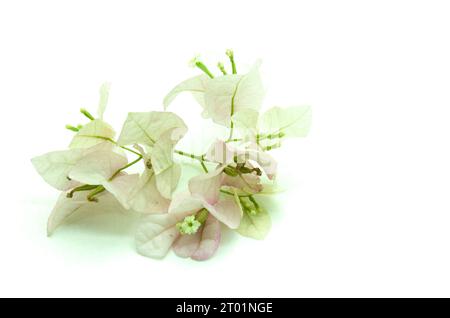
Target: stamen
91 196
85 187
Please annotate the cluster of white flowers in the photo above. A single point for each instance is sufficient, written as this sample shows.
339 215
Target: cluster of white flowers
92 173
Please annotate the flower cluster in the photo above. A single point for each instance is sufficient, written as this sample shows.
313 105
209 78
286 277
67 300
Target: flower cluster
93 173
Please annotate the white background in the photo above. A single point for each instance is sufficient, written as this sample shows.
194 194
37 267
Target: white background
367 208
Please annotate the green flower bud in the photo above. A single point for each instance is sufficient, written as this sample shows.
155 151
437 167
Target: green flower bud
86 113
72 128
230 171
222 68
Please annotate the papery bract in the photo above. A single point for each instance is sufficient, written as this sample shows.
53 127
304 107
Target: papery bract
78 206
274 124
54 167
256 226
158 132
222 97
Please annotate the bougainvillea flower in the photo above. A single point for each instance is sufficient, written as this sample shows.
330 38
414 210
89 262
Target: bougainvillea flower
158 132
242 158
79 206
97 130
86 175
103 169
145 196
223 96
192 226
54 167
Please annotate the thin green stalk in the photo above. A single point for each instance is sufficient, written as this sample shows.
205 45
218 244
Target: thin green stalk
115 142
255 204
201 158
202 163
91 196
189 155
232 109
231 193
131 150
278 135
85 187
274 146
125 167
234 140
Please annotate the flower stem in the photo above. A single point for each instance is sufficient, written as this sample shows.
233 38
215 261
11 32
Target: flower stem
274 146
91 196
115 142
202 163
125 167
278 135
231 193
232 109
234 140
189 155
201 158
85 187
131 150
255 204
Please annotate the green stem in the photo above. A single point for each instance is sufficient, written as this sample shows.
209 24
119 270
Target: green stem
85 187
131 150
201 158
202 163
232 109
115 142
274 146
255 204
231 130
97 190
231 193
189 155
125 167
234 140
278 135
